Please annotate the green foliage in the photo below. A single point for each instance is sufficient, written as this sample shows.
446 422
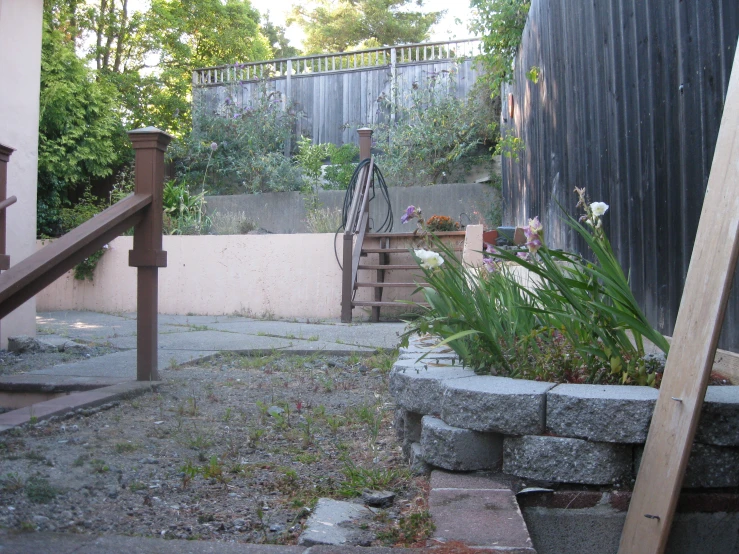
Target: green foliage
75 216
436 134
347 24
533 74
196 33
510 146
39 490
183 211
500 23
80 136
576 321
357 479
340 168
250 139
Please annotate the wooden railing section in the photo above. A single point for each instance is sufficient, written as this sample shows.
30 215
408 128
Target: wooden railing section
357 223
143 211
390 56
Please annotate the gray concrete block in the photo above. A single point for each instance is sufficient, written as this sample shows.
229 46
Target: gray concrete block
497 404
719 422
601 413
417 462
419 387
566 460
333 522
708 466
459 449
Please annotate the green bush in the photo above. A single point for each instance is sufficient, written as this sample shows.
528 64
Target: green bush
576 321
435 133
250 139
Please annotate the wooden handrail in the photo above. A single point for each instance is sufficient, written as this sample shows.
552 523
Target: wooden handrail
8 202
141 210
33 274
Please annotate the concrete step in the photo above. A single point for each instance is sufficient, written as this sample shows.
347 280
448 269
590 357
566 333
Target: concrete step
478 511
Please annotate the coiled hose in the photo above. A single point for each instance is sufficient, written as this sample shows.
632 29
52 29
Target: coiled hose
351 190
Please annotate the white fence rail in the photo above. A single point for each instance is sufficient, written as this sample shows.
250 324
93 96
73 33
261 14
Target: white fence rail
344 61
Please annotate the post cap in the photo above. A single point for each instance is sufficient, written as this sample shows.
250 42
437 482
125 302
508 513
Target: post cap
149 137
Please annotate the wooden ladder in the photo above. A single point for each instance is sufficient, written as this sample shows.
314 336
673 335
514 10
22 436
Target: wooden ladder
392 252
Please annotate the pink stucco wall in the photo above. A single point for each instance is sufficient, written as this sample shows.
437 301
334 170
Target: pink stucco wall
278 275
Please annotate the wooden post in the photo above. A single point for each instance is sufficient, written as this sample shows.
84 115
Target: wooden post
5 152
147 254
365 143
287 100
393 83
693 346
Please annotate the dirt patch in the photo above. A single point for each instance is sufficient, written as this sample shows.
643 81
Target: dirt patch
237 448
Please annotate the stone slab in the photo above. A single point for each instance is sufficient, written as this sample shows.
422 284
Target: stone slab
495 404
459 449
611 413
419 387
566 460
719 421
485 481
483 518
328 523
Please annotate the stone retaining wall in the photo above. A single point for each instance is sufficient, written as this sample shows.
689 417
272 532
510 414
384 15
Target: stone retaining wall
451 418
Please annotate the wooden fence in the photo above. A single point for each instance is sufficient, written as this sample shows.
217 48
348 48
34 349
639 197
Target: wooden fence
627 103
334 94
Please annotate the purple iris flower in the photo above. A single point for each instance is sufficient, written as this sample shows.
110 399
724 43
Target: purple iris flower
410 213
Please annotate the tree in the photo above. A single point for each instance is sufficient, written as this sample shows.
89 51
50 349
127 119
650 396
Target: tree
187 34
336 26
500 23
275 35
80 135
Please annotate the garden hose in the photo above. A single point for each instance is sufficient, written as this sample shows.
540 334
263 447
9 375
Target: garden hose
351 190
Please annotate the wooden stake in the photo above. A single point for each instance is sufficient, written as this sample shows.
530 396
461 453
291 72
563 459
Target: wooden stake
697 329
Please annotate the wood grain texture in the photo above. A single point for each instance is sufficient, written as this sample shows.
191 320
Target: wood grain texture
628 104
694 342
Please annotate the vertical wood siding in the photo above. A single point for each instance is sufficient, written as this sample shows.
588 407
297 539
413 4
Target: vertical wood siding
333 103
628 104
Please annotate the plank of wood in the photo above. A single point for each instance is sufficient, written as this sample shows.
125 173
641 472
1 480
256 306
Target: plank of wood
693 347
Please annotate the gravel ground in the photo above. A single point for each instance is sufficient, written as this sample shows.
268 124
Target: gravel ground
235 449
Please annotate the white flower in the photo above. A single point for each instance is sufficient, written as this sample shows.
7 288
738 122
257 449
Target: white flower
598 208
429 259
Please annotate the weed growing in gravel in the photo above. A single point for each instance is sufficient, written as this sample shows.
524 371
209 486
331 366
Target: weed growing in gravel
13 482
358 478
80 460
99 466
125 447
409 530
39 490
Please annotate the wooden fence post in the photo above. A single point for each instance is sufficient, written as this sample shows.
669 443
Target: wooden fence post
147 254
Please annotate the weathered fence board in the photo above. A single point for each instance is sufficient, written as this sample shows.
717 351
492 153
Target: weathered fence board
628 104
334 94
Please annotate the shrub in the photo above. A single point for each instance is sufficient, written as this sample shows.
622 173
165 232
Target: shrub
576 321
233 223
250 136
436 134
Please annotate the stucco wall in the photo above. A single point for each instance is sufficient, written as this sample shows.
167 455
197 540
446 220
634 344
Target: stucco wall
20 71
277 275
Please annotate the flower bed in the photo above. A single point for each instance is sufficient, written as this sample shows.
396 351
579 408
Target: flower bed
563 433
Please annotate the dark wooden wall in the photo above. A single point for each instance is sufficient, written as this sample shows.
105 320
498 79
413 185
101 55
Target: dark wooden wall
628 104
